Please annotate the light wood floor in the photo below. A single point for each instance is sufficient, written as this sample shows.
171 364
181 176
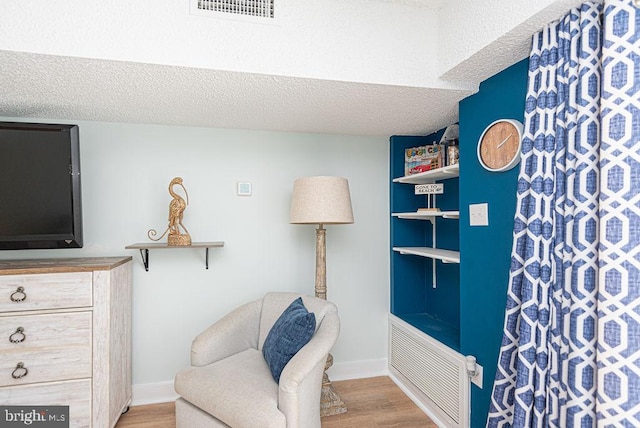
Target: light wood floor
373 403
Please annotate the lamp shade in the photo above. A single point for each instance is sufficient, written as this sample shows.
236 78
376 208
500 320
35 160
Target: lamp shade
321 200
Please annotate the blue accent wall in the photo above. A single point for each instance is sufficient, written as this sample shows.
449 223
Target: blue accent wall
486 250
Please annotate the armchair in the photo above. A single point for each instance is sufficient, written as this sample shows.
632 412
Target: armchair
229 383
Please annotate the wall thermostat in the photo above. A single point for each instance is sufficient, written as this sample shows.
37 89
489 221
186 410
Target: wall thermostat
244 188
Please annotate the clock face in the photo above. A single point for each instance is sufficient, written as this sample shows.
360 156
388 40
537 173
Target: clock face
499 145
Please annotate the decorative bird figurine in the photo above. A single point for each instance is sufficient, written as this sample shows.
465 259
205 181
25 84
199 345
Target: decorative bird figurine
176 213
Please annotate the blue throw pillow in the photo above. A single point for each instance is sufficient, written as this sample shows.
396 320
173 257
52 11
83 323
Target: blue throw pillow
288 335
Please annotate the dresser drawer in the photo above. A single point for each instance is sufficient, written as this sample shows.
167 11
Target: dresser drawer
51 347
45 291
76 394
28 332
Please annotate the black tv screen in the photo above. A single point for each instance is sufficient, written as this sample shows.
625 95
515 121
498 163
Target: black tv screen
40 200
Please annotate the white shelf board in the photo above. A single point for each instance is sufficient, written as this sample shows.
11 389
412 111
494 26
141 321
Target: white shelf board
446 256
144 248
443 173
427 215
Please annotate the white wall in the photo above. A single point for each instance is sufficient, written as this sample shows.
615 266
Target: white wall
125 173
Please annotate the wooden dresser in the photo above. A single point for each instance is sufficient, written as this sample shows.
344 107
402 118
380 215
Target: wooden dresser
65 336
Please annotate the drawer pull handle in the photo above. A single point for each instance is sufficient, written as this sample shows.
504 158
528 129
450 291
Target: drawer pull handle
19 295
20 371
18 336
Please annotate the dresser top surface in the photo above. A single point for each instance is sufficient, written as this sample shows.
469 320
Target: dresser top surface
86 264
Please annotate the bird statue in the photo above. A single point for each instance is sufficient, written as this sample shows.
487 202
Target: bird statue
176 213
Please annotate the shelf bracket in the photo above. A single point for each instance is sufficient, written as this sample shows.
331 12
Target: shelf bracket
434 276
434 264
144 253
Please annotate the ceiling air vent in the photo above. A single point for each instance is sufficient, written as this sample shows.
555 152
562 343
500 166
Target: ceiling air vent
255 8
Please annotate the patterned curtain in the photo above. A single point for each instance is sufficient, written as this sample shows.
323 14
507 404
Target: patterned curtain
618 387
570 352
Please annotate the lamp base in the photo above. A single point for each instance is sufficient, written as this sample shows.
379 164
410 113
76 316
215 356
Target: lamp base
330 402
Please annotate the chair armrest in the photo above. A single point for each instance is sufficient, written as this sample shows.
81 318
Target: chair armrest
233 333
301 379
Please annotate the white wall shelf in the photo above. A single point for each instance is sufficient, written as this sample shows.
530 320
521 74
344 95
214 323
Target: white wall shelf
447 256
144 248
432 176
428 215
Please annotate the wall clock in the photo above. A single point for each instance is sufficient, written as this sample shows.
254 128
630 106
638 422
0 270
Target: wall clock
499 145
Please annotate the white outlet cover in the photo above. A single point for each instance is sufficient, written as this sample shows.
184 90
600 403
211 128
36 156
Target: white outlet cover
479 214
477 379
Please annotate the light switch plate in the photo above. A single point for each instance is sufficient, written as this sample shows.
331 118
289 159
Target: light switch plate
479 214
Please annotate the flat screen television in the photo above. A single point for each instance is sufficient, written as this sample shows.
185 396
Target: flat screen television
40 200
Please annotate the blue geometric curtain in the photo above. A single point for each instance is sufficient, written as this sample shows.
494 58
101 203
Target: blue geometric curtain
570 352
618 397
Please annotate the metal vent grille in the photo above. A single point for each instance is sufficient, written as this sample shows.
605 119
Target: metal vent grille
435 375
257 8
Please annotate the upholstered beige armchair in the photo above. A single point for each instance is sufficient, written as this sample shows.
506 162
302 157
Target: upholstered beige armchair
229 383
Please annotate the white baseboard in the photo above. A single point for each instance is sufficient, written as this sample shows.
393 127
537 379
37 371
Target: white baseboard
359 369
152 393
163 392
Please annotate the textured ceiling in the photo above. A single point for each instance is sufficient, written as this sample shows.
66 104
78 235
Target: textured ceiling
117 89
433 4
44 86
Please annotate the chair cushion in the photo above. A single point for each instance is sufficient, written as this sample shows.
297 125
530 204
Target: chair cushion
289 334
237 390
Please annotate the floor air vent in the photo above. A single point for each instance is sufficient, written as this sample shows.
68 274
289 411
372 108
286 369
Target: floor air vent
435 374
256 8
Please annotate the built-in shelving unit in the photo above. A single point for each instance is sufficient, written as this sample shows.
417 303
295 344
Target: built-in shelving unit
424 325
425 274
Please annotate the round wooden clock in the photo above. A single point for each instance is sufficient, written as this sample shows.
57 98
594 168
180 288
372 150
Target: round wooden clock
499 145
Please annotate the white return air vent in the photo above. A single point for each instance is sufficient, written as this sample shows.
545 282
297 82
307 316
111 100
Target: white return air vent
434 375
234 8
